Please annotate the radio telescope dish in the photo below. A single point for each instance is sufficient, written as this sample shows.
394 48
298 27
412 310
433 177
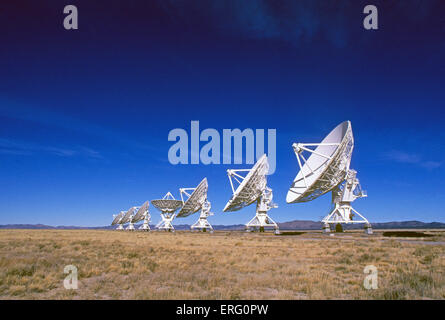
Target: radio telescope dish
117 220
128 218
250 186
327 169
253 188
197 200
168 206
143 214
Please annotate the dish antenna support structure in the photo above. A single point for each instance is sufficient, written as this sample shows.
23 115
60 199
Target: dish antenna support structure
168 206
196 199
143 214
327 169
253 188
342 196
117 220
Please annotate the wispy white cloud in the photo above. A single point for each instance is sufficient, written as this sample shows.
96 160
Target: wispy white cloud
14 147
404 157
432 164
412 158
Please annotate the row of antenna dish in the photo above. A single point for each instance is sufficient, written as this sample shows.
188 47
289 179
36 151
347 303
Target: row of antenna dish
323 167
192 200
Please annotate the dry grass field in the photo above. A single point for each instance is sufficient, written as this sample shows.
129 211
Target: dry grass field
223 265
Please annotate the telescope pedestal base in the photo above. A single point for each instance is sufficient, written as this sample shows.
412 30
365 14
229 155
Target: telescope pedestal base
261 221
166 224
120 227
326 228
343 213
368 228
145 226
130 227
202 224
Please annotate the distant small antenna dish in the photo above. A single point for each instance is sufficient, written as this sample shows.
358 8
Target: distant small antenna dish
327 169
128 218
168 206
143 214
117 220
253 188
195 201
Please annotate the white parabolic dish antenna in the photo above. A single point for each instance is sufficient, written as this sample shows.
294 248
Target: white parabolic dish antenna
250 186
196 201
168 206
128 218
327 169
253 188
143 214
117 218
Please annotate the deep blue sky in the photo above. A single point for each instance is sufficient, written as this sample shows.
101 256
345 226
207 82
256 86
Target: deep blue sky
85 114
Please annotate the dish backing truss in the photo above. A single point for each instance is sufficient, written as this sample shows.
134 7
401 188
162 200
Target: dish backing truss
253 188
327 169
168 205
195 201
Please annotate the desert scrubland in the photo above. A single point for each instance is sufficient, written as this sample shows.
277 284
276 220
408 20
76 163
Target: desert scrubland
223 265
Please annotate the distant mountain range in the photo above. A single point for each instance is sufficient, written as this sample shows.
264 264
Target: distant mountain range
291 225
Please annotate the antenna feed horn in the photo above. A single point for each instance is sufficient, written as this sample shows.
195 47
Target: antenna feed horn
297 147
